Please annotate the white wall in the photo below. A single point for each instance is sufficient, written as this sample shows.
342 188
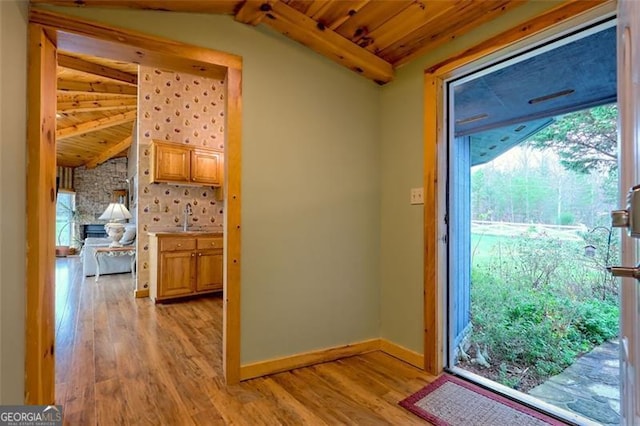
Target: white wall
13 115
310 185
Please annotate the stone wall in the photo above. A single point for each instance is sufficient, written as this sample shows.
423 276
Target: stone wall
182 108
94 188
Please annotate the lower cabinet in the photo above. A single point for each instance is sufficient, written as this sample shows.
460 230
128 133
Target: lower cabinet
184 265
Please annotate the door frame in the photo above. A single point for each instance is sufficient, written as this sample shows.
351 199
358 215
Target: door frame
47 30
554 23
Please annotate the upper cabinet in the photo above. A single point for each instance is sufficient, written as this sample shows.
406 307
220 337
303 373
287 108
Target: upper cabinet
206 166
184 164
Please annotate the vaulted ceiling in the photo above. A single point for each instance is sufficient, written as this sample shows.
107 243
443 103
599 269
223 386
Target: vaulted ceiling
96 97
96 109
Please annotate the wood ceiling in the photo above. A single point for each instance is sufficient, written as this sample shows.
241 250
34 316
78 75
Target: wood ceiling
96 111
370 37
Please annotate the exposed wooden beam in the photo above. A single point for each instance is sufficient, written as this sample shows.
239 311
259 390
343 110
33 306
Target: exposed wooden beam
96 87
227 7
78 64
96 105
252 12
94 125
327 42
109 153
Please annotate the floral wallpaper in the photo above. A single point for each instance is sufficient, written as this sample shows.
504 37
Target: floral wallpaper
182 108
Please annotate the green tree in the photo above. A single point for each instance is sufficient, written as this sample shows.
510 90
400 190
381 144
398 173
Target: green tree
585 140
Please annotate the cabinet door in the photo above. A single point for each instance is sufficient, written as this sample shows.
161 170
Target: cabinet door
170 163
206 167
176 273
209 275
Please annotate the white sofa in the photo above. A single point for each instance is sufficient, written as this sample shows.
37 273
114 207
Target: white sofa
108 264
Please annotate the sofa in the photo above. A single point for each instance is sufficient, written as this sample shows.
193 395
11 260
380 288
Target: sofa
108 264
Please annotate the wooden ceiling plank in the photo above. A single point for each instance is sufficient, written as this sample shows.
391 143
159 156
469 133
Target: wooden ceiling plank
95 125
317 7
429 37
305 30
77 64
370 17
407 21
109 153
97 105
253 12
227 7
341 12
98 86
507 38
299 5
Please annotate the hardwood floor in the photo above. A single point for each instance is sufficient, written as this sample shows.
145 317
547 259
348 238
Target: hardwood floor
121 360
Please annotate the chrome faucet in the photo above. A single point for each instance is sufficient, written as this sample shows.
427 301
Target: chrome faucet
187 212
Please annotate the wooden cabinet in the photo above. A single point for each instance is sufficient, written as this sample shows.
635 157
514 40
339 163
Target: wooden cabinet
206 167
183 164
184 264
209 264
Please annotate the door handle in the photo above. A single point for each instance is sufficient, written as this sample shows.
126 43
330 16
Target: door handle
629 218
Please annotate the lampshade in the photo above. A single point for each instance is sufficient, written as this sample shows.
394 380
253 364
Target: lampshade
115 211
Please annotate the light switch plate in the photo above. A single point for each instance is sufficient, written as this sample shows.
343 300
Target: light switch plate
417 196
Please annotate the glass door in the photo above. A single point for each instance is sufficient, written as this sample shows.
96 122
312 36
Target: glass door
533 174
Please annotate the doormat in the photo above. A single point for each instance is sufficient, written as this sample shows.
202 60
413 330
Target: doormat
450 401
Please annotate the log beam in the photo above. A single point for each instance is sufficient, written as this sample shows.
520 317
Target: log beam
252 12
327 42
71 107
109 153
94 125
81 65
96 87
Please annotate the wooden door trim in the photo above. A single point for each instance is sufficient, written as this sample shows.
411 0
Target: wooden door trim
151 51
562 18
41 180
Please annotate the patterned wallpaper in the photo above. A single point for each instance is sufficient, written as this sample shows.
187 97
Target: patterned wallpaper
183 108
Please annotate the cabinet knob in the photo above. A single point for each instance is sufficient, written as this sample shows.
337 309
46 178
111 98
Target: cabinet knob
213 244
179 245
193 254
199 254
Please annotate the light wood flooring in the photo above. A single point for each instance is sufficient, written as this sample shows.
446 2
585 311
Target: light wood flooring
121 360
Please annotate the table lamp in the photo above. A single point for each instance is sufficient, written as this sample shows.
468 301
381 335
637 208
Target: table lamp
114 213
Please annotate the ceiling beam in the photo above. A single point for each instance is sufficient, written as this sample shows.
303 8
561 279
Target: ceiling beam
96 87
78 64
70 107
252 12
327 42
109 153
94 125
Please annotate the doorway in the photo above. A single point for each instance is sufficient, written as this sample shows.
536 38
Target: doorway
90 38
527 216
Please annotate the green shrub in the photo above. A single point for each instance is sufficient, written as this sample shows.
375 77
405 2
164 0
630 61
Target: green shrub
536 309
